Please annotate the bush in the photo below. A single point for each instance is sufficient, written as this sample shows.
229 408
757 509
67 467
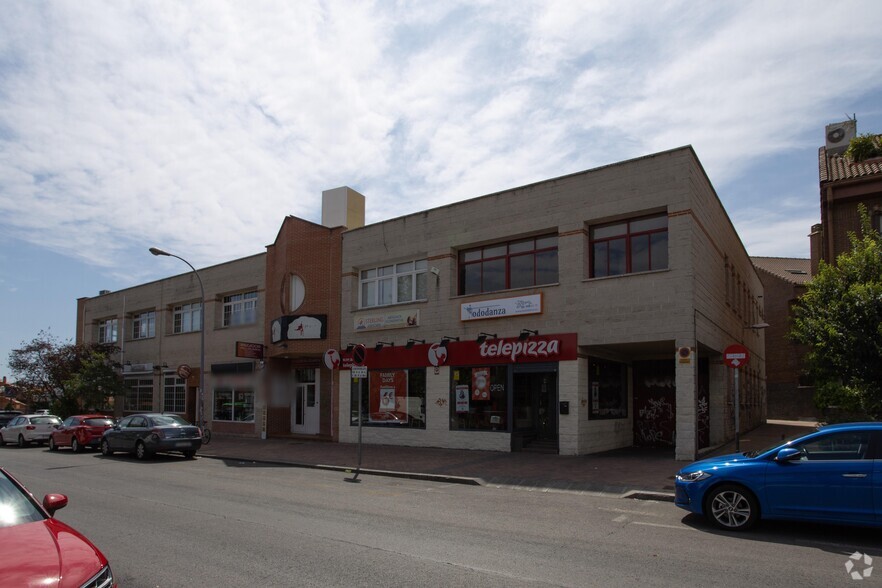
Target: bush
864 147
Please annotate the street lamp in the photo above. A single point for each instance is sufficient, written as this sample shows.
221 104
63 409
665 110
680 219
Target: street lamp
200 406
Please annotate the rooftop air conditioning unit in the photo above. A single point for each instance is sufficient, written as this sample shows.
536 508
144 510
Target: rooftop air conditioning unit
838 135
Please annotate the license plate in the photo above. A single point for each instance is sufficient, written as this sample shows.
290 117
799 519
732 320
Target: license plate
182 444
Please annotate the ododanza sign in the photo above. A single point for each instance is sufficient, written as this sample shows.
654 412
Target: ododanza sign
501 308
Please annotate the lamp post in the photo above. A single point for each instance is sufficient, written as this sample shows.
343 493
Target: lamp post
200 406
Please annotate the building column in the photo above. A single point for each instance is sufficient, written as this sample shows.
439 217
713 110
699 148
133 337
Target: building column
686 376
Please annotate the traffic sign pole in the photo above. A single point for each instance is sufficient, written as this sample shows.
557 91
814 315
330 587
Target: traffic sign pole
737 414
735 356
358 357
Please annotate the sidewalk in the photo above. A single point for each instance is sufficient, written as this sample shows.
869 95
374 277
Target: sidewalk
622 471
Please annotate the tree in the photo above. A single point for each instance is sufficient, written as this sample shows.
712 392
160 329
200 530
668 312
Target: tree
840 319
65 377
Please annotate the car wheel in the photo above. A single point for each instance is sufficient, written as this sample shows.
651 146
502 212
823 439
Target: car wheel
189 454
105 448
733 508
21 441
141 450
75 445
52 445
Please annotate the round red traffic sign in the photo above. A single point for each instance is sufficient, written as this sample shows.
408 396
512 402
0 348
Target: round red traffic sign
183 371
358 354
736 356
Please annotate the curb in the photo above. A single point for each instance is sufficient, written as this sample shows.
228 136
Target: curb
349 470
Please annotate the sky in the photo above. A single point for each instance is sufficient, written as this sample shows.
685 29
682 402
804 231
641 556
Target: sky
198 126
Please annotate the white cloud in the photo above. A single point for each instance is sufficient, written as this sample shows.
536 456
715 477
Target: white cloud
198 126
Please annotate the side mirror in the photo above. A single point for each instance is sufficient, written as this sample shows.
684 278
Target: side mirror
52 502
788 454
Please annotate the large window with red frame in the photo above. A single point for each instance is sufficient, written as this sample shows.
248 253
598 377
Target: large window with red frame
631 246
502 266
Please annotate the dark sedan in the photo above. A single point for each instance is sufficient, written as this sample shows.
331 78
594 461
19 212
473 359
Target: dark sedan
147 434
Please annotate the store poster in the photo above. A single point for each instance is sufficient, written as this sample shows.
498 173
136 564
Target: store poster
388 396
481 384
462 398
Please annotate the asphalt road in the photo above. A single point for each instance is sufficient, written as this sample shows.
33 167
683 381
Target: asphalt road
173 522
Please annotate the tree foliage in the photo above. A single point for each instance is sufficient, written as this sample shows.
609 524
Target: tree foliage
65 377
840 319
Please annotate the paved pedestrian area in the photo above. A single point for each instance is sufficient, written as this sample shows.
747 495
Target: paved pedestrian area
629 471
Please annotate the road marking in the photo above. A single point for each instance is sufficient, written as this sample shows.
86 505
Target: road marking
620 519
626 511
680 527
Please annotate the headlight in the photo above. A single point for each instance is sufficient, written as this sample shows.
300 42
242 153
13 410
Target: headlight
693 477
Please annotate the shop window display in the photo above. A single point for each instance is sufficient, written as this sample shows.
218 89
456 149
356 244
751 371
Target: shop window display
607 389
479 399
390 398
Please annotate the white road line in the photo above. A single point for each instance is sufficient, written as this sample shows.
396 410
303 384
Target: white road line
679 527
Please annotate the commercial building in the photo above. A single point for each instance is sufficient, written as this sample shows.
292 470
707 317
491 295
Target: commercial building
575 315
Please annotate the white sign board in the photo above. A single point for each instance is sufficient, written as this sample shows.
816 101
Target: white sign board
359 371
501 308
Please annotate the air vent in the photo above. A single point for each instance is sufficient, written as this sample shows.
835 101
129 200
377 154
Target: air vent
838 135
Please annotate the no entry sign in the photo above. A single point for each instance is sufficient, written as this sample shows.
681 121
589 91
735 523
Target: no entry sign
736 356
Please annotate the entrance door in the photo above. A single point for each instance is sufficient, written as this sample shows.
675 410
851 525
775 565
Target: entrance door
654 403
305 404
534 411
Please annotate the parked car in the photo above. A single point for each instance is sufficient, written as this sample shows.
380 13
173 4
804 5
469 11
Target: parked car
146 434
7 415
39 550
29 428
825 476
80 431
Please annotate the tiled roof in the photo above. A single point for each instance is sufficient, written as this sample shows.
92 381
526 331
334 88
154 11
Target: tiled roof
836 167
793 269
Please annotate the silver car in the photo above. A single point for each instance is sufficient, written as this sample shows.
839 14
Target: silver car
29 428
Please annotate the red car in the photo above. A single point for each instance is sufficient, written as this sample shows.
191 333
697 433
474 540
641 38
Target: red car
79 432
39 550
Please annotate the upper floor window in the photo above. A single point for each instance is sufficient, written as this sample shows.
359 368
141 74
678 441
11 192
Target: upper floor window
630 246
516 264
144 325
393 284
240 309
188 317
108 331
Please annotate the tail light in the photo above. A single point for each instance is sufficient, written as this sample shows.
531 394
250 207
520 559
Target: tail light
30 427
159 433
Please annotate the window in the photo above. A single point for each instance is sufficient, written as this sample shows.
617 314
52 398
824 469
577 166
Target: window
607 389
478 398
240 309
188 317
631 246
108 331
393 284
391 398
231 404
848 445
174 394
139 394
517 264
144 325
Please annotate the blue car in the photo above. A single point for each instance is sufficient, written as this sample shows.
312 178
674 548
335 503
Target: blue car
832 475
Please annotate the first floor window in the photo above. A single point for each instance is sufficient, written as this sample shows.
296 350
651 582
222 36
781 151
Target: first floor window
393 284
391 398
139 394
607 389
240 309
144 325
630 246
174 394
502 266
188 317
479 398
234 404
108 331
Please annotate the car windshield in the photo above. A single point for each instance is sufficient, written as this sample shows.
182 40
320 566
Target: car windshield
98 422
170 420
15 507
780 443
